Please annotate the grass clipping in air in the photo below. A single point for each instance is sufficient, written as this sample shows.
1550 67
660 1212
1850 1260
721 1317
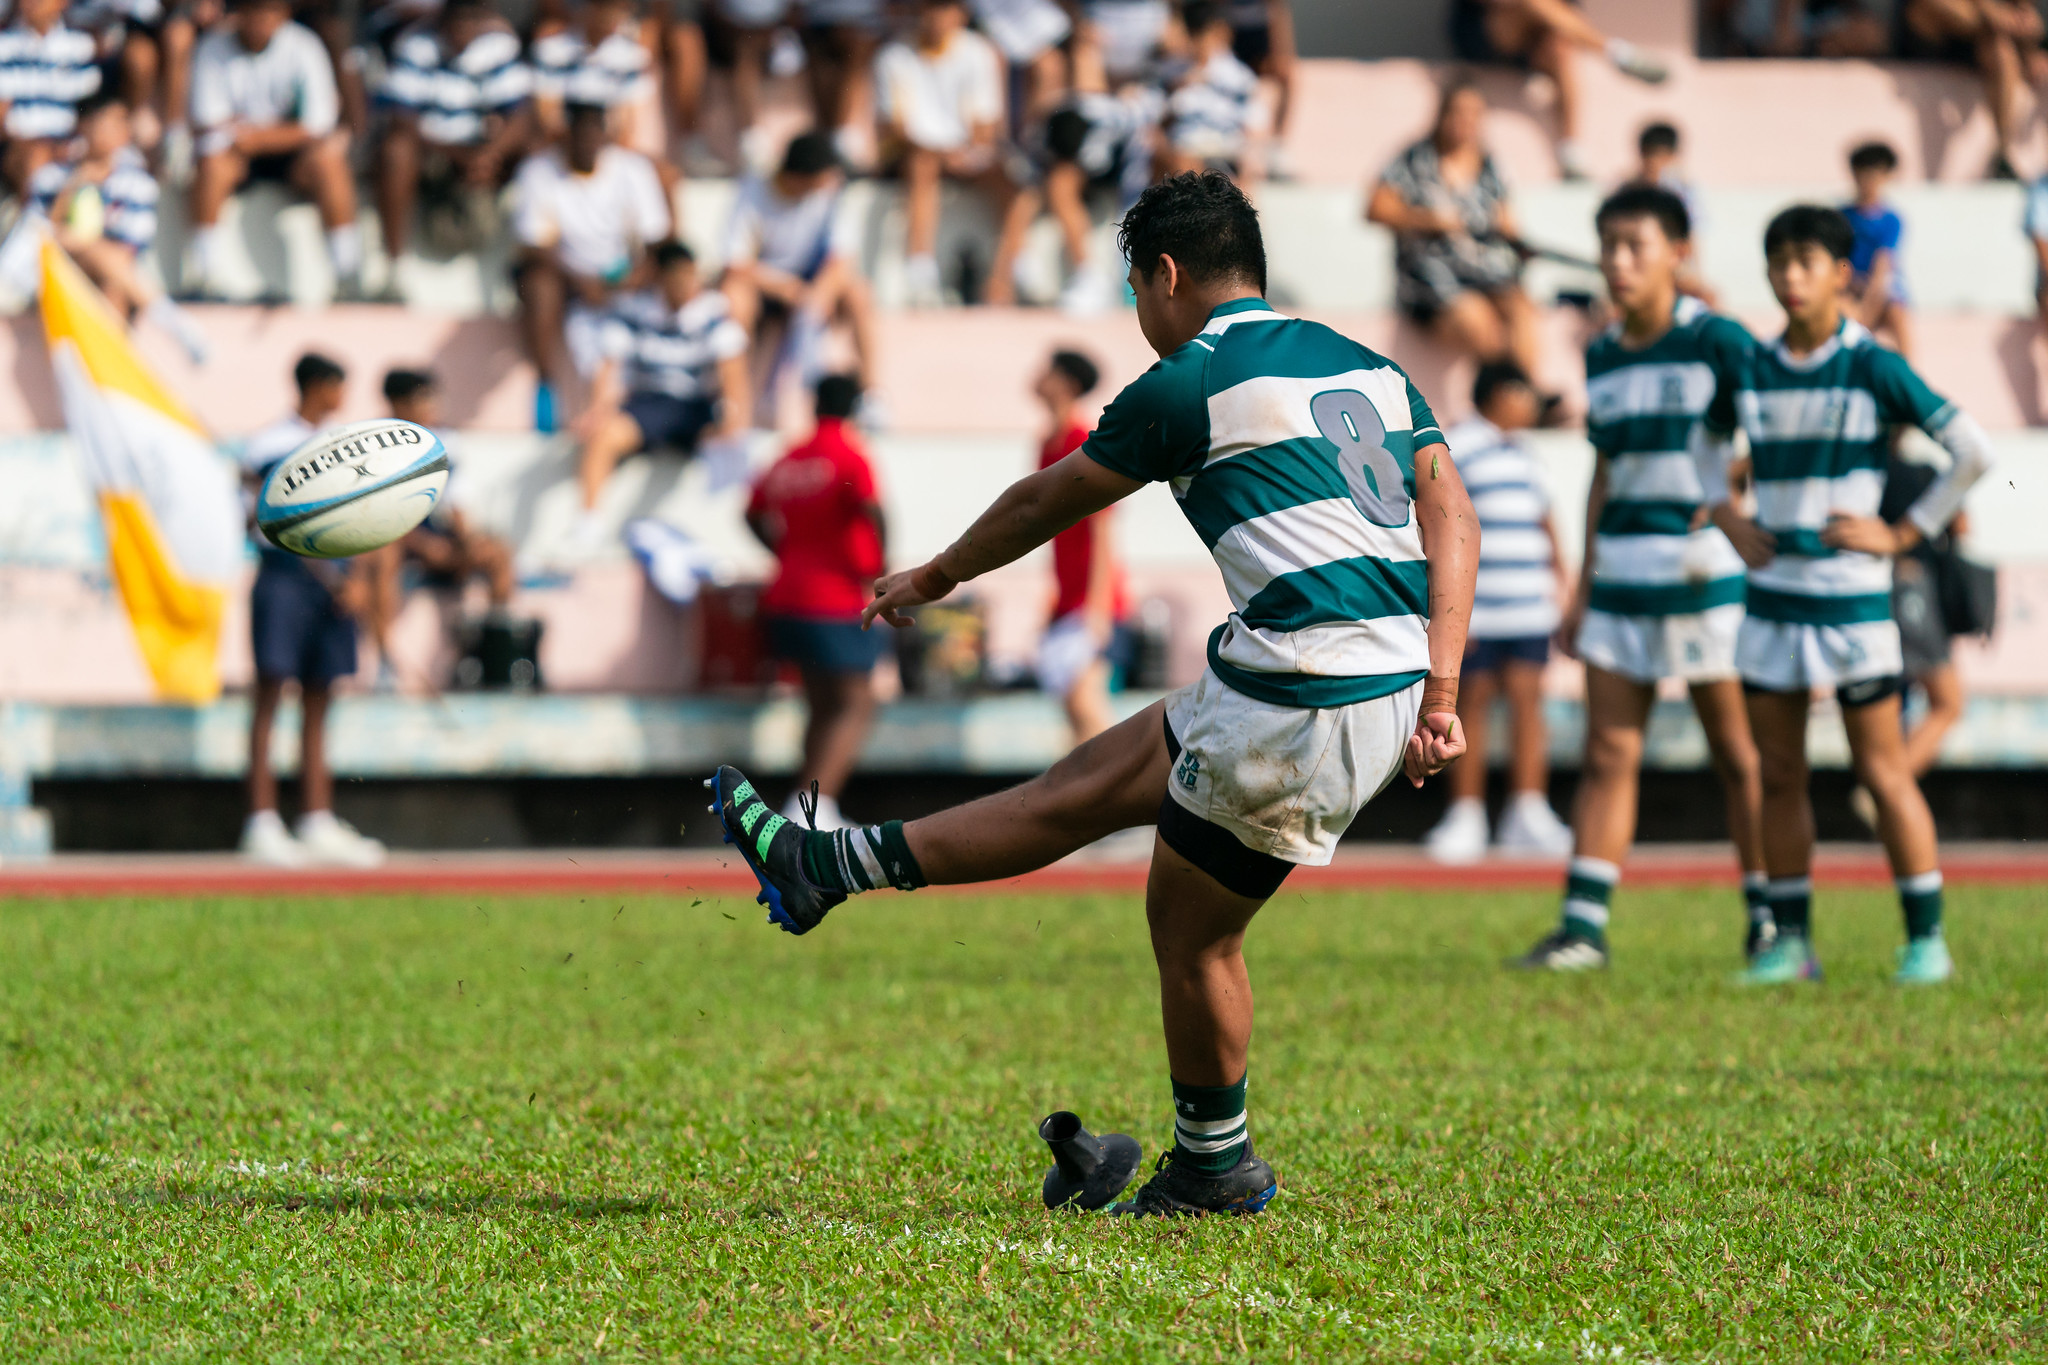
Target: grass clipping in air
431 1129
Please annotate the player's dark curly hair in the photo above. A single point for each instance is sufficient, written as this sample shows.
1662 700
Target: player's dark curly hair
1647 201
1811 225
1203 221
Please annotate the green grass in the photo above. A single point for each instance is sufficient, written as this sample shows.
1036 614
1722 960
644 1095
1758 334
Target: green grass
416 1129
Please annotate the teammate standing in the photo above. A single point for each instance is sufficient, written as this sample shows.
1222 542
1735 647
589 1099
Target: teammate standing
1817 406
1659 596
1317 476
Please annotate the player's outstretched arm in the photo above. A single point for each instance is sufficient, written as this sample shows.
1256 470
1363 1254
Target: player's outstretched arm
1030 512
1450 545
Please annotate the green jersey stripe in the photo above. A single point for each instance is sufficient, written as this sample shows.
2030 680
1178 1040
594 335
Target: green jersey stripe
1768 604
1338 592
1665 599
1646 518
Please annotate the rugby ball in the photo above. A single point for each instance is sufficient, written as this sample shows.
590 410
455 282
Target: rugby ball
353 489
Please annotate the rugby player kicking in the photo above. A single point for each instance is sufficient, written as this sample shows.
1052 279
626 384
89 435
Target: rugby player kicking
1319 479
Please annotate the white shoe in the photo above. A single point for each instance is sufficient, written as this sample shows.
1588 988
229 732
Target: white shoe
1084 296
828 812
1571 161
1631 60
334 842
923 286
1530 826
267 843
1460 837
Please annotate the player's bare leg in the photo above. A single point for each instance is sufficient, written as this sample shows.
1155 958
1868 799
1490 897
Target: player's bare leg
842 708
1731 751
1778 720
1906 826
1944 688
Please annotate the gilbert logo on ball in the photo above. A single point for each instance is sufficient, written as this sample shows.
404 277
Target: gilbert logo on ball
354 489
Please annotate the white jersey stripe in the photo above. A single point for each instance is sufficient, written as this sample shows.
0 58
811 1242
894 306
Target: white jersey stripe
1342 649
1260 549
1269 409
1654 561
1666 476
1831 414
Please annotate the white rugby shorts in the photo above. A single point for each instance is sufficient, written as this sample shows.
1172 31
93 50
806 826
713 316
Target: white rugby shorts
1782 656
1286 780
1695 646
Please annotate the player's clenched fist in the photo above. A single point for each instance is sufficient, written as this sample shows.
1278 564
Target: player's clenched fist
1438 737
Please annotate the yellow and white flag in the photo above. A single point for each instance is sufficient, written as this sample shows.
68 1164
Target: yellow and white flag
173 515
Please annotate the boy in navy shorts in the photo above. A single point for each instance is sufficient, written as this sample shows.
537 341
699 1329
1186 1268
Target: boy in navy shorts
302 626
1514 611
818 510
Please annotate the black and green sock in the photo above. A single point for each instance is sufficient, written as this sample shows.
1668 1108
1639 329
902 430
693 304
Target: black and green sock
863 859
1588 884
1756 896
1791 905
1920 899
1209 1132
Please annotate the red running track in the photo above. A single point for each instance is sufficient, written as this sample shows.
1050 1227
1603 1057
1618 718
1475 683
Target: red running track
540 872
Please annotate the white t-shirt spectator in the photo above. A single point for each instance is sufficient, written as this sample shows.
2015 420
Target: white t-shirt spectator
1515 594
43 76
1129 32
671 350
795 236
938 99
290 81
569 69
454 93
1024 30
593 223
127 197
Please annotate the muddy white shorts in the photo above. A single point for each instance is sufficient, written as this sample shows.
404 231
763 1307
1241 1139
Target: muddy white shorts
1696 646
1787 656
1285 780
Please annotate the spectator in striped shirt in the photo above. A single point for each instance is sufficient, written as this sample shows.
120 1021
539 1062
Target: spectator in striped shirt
45 70
1214 108
1514 610
460 119
265 107
600 59
101 207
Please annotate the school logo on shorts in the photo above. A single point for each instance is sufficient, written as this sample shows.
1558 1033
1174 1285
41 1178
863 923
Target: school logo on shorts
1189 770
1694 654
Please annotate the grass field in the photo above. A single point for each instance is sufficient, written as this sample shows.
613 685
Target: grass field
616 1129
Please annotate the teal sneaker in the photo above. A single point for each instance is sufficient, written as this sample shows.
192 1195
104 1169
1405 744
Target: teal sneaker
1924 962
1789 958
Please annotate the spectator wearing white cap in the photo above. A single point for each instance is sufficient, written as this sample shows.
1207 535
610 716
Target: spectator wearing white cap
265 107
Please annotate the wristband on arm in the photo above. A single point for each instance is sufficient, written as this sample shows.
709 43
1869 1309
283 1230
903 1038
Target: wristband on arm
931 581
1439 694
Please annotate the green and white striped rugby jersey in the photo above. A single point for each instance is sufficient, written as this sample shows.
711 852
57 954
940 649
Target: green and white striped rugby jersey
1819 430
1642 408
1291 452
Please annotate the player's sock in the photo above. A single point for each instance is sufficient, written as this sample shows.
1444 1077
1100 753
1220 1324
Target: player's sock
1756 895
1791 905
865 858
1209 1131
1588 885
1920 898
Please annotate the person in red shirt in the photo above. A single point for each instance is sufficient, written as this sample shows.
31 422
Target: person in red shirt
1084 643
817 509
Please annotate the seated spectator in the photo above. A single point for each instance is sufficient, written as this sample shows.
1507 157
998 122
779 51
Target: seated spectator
1515 603
840 38
124 35
583 215
2035 224
1657 164
1458 275
749 27
679 40
1094 140
101 206
674 368
46 68
790 268
1545 36
1213 110
1087 635
1124 35
818 510
2001 38
1031 35
1262 36
940 96
1877 283
177 42
457 93
599 59
1802 28
264 106
447 547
